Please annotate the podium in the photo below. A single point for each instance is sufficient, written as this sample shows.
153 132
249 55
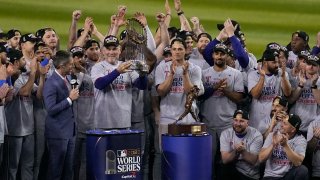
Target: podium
114 154
187 156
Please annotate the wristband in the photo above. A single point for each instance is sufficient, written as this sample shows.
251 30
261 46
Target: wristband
180 13
314 87
168 14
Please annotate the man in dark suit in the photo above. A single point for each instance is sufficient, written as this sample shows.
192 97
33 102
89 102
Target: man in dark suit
60 123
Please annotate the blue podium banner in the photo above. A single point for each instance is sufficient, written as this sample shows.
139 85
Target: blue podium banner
187 157
114 154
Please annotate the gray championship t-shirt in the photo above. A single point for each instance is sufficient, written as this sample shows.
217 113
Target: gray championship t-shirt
261 107
316 154
253 142
113 104
173 104
278 163
218 109
19 112
83 107
306 106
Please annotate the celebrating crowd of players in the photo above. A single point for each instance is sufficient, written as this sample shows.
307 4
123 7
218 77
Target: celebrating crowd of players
263 113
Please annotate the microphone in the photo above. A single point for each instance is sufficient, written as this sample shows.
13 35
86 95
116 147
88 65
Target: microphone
44 62
73 81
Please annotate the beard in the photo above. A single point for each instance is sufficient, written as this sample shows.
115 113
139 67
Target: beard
220 64
239 130
274 71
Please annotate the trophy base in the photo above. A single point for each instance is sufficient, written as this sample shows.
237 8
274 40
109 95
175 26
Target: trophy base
196 129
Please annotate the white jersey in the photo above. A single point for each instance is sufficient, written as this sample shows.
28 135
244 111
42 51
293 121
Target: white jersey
253 142
218 109
173 104
278 163
316 154
197 59
113 104
306 106
261 107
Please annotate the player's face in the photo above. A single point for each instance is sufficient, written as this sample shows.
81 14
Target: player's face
286 127
276 107
240 125
297 44
219 58
312 68
111 54
78 62
167 57
178 51
273 66
40 54
50 39
14 41
189 43
93 53
202 43
28 46
230 61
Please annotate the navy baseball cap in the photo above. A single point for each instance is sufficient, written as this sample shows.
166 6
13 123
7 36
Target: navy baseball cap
244 114
221 47
77 51
273 46
295 121
111 41
314 60
28 37
303 35
12 33
303 54
166 50
269 55
14 55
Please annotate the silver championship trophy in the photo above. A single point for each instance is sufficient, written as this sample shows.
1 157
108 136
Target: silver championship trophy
136 40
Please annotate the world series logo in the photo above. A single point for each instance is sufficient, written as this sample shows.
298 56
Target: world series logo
123 161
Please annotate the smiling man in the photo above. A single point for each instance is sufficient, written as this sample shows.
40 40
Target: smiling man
240 146
113 87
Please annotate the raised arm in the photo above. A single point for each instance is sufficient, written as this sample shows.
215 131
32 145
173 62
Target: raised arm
76 14
164 34
87 28
183 20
